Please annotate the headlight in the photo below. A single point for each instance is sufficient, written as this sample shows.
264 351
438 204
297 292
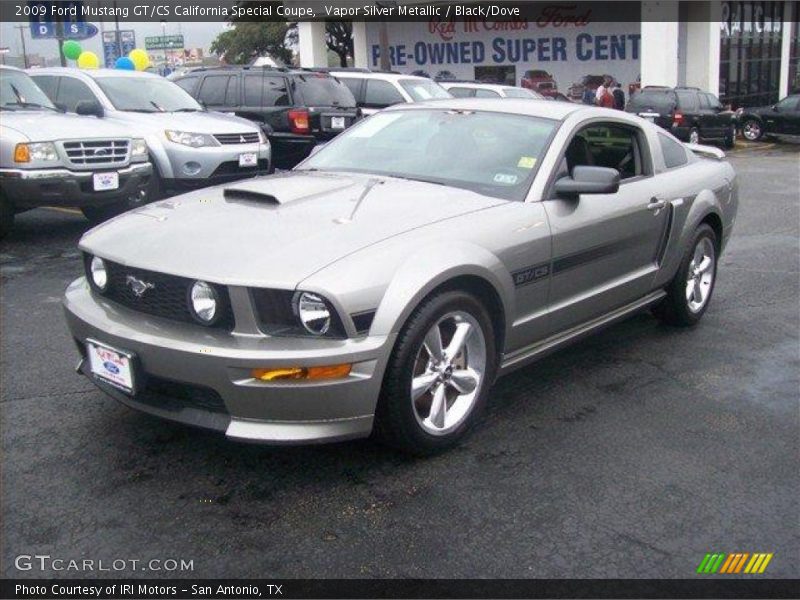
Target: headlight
262 137
195 140
313 313
39 151
138 147
98 273
203 301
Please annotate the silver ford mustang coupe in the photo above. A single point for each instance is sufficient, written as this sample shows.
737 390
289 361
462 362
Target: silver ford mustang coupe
386 282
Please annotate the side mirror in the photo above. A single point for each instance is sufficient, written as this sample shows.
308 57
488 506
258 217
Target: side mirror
588 180
89 108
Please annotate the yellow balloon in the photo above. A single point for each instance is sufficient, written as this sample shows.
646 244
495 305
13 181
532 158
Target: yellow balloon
140 59
88 60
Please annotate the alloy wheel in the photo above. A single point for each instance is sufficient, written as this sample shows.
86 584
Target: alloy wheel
700 277
751 130
448 374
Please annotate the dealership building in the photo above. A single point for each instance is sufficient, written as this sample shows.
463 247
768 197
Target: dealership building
745 52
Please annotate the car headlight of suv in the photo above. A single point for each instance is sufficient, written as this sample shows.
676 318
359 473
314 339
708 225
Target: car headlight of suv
195 140
138 148
35 152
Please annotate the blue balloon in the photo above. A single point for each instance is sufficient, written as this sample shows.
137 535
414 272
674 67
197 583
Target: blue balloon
123 62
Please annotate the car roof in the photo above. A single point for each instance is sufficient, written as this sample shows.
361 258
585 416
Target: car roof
91 73
374 75
478 85
522 106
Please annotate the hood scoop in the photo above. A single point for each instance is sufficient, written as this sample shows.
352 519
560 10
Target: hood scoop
250 195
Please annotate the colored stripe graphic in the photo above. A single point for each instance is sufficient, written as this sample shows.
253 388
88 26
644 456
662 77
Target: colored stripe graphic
730 564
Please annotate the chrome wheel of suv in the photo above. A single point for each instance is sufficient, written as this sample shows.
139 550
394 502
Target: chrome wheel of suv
752 130
448 373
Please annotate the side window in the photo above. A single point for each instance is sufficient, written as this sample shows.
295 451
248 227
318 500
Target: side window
354 85
674 152
687 101
71 91
213 90
704 103
788 103
713 101
609 145
381 94
261 90
486 94
49 85
187 84
461 92
232 93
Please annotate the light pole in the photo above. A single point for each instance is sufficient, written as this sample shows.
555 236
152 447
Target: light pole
22 38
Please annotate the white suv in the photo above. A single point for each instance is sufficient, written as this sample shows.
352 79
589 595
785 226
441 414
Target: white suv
376 90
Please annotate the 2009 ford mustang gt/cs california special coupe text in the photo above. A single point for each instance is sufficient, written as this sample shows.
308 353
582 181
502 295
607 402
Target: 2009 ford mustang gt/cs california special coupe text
384 283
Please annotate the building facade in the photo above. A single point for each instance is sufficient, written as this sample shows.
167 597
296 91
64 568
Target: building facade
744 51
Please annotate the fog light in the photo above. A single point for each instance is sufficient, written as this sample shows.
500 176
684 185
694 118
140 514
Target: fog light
192 168
308 373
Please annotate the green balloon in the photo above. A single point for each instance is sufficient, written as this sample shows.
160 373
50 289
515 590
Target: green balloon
72 49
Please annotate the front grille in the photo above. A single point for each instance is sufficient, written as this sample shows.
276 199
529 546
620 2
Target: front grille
97 153
174 396
237 138
167 298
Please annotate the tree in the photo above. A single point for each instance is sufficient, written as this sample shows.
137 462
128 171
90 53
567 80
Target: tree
339 38
247 41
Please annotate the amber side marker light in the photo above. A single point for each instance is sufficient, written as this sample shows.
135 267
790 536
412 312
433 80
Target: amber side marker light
22 153
307 373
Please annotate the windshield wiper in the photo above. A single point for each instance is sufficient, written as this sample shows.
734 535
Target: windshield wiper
188 110
420 179
158 108
140 110
24 104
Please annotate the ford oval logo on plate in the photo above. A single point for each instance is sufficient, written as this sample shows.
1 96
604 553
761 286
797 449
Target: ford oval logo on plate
111 367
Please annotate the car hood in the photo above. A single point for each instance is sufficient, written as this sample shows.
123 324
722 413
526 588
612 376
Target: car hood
46 126
279 229
194 122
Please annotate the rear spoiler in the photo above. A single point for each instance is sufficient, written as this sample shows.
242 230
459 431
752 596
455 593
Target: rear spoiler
706 151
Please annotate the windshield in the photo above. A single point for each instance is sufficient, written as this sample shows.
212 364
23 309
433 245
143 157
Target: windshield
420 89
146 94
322 90
495 154
18 91
514 92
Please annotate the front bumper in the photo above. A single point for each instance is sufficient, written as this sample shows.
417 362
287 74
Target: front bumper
31 188
217 364
199 167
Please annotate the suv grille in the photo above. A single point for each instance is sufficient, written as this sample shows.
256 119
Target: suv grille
237 138
168 298
97 153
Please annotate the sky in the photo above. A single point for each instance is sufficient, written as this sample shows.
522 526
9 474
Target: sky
196 35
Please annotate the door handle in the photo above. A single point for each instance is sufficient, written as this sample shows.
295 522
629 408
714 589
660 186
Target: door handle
656 205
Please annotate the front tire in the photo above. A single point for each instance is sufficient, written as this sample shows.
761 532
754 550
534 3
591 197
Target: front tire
439 375
689 293
752 130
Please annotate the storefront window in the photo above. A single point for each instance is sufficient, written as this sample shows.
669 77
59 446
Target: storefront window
750 52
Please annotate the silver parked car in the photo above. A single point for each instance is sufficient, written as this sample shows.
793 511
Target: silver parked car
385 282
189 146
48 158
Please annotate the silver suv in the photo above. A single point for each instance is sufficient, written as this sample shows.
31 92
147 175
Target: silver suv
189 146
49 158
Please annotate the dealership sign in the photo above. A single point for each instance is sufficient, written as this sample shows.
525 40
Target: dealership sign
568 49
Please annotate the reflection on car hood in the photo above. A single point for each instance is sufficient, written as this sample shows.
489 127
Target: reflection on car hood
48 126
303 222
194 122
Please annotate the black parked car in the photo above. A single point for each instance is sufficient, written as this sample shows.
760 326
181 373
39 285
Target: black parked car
782 118
690 114
295 107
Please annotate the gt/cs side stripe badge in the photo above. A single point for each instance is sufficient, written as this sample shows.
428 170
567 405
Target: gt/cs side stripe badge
531 274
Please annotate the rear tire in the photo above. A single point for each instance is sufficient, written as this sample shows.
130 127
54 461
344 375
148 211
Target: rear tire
730 138
689 292
429 400
6 217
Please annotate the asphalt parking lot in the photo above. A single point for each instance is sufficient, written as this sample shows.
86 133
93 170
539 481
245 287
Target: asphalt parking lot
631 454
